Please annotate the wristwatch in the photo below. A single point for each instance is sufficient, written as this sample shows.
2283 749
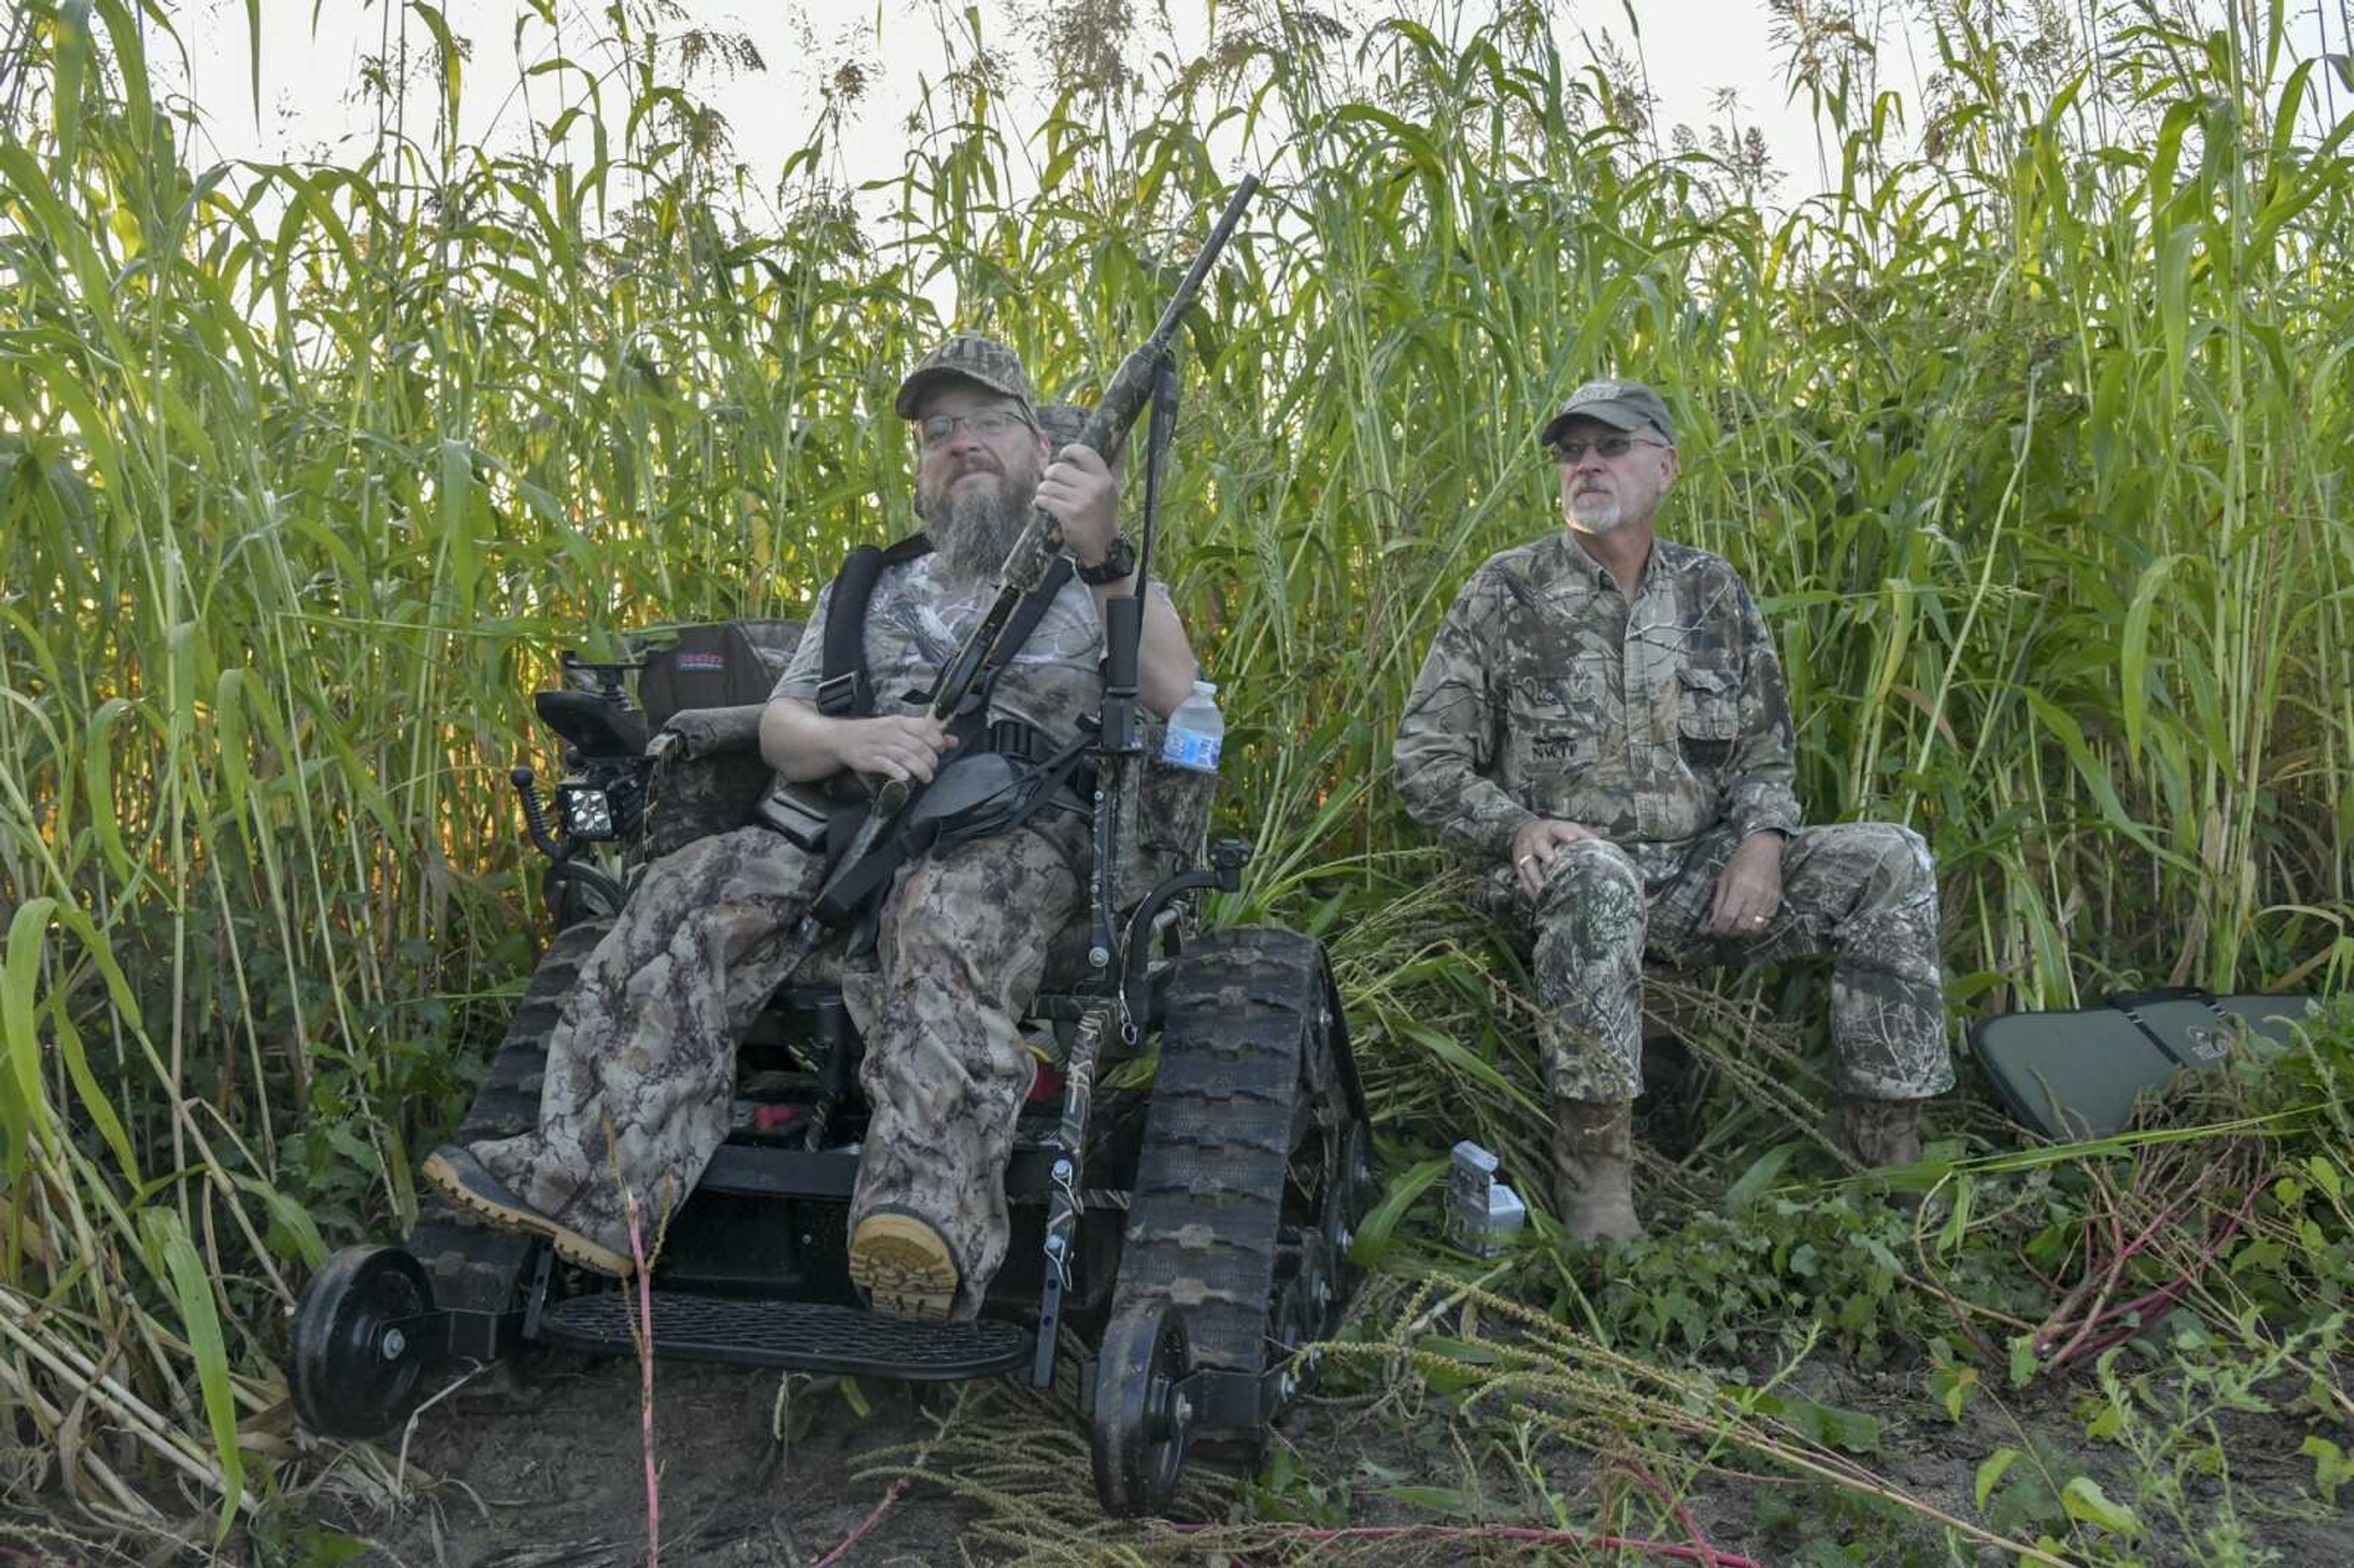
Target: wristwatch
1117 562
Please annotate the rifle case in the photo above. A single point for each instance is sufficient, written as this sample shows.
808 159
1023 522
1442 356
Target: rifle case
2075 1074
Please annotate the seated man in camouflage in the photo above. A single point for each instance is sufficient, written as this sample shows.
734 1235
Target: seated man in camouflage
642 1068
1601 724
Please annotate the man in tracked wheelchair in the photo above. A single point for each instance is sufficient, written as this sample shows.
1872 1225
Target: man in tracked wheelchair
640 1070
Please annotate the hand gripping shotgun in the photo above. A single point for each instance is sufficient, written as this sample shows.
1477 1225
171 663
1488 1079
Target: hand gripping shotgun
856 875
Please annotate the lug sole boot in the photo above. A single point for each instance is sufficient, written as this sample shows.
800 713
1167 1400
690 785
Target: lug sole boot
903 1265
1593 1170
462 1177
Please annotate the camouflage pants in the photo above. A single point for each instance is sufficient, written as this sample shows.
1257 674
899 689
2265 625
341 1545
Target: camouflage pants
1867 891
641 1067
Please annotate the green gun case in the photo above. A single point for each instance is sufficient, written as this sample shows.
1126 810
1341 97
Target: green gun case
2075 1074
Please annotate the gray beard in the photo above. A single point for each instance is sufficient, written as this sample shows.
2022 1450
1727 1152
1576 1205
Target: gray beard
976 531
1608 519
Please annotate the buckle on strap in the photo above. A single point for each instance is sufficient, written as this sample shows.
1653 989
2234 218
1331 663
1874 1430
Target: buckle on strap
844 696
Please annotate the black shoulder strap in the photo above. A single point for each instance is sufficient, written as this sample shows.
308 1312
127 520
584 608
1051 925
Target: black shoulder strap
855 891
970 724
843 688
2190 1052
1033 610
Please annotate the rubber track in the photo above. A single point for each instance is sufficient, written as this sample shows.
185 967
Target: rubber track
471 1265
1203 1226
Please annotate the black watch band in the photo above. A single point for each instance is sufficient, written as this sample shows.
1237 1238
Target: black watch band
1117 562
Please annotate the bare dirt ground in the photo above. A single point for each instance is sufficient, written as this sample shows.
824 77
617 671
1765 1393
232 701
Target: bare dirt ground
553 1472
1378 1469
508 1477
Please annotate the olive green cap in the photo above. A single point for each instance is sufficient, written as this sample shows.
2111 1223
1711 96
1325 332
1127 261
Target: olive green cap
968 356
1621 405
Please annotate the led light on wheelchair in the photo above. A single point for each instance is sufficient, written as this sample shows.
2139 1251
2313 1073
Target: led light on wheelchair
587 813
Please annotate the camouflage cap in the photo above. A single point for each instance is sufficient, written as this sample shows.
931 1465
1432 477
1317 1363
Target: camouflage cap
1621 405
968 356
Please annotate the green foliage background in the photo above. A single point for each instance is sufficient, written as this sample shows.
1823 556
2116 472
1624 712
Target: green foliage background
2032 432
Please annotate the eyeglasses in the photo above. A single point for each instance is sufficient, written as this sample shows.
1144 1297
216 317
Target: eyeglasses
936 431
1607 446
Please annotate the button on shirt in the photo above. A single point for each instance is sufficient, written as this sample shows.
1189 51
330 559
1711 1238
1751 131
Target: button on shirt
1549 692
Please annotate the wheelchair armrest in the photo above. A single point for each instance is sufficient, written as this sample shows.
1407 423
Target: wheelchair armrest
593 722
698 733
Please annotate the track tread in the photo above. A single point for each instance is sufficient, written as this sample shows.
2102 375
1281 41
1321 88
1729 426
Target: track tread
473 1265
1204 1223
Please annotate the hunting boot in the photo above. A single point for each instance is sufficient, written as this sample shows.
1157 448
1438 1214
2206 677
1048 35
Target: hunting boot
902 1264
1880 1132
468 1183
1592 1170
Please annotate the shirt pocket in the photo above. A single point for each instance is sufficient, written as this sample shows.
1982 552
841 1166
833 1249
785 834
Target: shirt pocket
1708 716
1555 723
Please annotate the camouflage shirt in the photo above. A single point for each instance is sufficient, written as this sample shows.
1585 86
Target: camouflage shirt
1548 694
917 619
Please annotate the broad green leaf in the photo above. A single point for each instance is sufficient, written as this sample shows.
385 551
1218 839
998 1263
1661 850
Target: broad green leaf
173 1258
91 1096
25 1111
1990 1473
2085 1502
1761 1173
1373 1235
2133 647
2331 1468
97 769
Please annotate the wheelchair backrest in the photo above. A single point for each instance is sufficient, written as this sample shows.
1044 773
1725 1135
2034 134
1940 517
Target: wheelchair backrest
724 665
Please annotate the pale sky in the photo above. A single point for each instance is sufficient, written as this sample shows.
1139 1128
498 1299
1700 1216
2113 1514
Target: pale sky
1691 49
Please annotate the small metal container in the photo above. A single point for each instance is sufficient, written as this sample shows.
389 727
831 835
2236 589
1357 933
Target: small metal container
1483 1214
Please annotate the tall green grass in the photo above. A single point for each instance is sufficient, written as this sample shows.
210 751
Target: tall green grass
2031 431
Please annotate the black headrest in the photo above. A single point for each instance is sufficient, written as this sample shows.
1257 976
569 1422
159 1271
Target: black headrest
598 724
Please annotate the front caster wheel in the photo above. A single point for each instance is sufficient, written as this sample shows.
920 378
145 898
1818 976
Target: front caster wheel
359 1354
1143 1420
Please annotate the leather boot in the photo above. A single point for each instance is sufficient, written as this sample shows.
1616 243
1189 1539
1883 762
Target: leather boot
1592 1170
1880 1132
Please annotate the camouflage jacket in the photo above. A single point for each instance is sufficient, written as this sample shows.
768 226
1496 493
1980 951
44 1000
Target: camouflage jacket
1547 694
918 616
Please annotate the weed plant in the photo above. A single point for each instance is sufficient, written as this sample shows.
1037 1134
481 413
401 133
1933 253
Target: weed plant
2030 431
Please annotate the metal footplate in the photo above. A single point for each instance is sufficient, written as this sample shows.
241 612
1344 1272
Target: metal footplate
803 1336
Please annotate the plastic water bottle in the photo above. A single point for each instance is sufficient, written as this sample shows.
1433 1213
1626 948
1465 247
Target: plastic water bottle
1196 731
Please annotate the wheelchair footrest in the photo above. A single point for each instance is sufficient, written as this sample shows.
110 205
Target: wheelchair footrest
804 1336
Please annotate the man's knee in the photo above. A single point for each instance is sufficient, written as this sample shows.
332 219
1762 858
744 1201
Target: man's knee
984 910
1594 899
1905 857
1875 863
1898 876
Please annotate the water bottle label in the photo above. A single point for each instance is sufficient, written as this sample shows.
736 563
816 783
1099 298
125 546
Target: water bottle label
1192 748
